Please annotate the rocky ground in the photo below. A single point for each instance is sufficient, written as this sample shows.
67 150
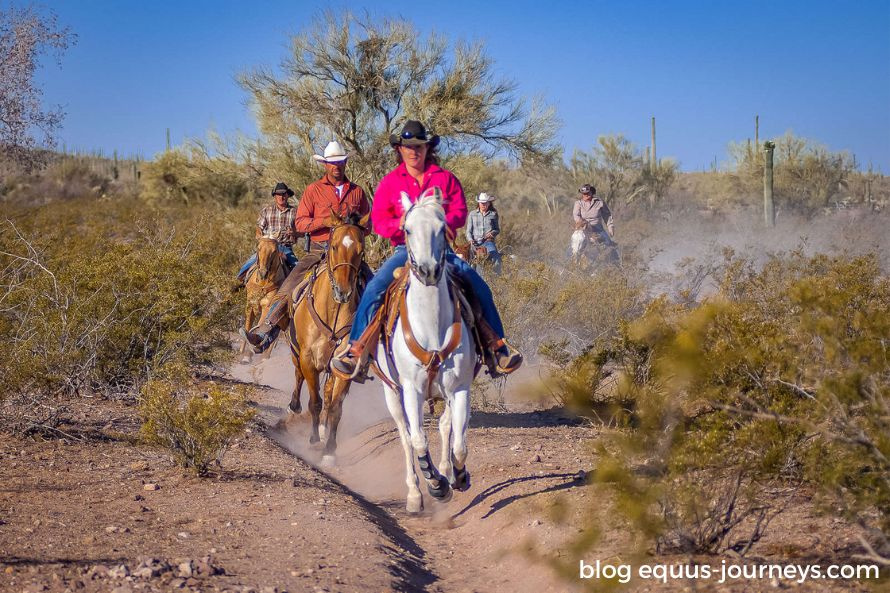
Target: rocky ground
97 511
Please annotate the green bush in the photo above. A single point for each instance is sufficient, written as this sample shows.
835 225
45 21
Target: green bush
197 423
101 293
781 379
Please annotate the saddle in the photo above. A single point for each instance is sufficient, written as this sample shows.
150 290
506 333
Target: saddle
387 317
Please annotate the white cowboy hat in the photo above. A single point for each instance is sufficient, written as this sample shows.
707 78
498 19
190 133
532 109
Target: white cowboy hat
485 198
333 153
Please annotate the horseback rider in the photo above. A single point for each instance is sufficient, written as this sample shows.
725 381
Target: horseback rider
483 225
592 215
418 170
333 193
277 221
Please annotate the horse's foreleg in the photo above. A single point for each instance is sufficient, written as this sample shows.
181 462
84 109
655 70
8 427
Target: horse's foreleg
312 376
445 465
334 412
294 406
394 404
460 422
437 486
248 324
326 406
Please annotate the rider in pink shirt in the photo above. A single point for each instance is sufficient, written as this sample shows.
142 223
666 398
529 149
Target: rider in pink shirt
387 212
418 171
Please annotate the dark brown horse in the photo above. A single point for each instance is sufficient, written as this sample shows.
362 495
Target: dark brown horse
262 283
321 319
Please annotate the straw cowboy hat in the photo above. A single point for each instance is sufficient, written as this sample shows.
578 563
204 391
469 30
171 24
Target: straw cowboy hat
333 153
485 198
413 134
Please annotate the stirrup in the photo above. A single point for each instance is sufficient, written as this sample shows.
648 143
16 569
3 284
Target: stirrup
259 341
509 361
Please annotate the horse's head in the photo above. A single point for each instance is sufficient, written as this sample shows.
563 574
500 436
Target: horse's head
425 235
579 241
268 259
346 249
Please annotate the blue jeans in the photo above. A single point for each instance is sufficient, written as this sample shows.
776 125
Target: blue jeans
285 250
494 256
372 299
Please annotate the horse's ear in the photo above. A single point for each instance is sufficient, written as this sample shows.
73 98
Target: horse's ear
406 202
334 220
433 194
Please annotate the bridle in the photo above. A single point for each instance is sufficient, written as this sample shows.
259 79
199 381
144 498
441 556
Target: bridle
355 269
412 262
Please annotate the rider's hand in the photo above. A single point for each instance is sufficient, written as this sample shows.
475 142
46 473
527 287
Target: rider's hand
580 225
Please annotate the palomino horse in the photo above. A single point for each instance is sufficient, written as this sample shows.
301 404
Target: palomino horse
430 325
320 321
262 283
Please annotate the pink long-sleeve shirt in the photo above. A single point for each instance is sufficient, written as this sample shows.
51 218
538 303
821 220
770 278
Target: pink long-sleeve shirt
386 213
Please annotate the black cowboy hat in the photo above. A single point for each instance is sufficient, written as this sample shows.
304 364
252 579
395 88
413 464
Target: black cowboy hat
413 134
282 188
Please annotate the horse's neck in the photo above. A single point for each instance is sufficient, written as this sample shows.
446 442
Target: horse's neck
431 312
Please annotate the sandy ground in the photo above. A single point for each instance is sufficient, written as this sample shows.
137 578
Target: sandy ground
100 512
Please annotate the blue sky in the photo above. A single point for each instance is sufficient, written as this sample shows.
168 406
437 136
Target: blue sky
703 69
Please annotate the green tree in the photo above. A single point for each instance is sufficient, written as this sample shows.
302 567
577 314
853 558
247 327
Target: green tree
355 79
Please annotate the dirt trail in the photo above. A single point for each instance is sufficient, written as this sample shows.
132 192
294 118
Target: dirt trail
521 461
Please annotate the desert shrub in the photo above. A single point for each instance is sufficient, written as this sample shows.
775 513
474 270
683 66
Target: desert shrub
562 311
96 298
191 174
807 176
780 379
196 421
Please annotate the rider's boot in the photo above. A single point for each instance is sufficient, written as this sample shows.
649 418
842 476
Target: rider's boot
352 361
263 335
504 358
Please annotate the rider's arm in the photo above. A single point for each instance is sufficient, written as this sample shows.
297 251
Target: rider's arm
469 231
262 223
386 211
305 221
606 215
455 204
495 225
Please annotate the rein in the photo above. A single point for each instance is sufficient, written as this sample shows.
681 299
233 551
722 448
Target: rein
334 337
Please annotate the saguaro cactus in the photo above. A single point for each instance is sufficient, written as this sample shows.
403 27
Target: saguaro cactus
769 208
653 160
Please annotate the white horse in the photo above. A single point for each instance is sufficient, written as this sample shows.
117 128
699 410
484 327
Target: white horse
579 242
439 331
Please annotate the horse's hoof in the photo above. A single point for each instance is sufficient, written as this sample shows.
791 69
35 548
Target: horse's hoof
245 359
442 492
461 481
414 504
328 460
313 439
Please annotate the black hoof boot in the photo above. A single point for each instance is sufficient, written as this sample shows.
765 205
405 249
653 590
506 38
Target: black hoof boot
441 491
461 480
437 485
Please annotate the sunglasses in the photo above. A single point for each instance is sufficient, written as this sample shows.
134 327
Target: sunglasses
409 135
